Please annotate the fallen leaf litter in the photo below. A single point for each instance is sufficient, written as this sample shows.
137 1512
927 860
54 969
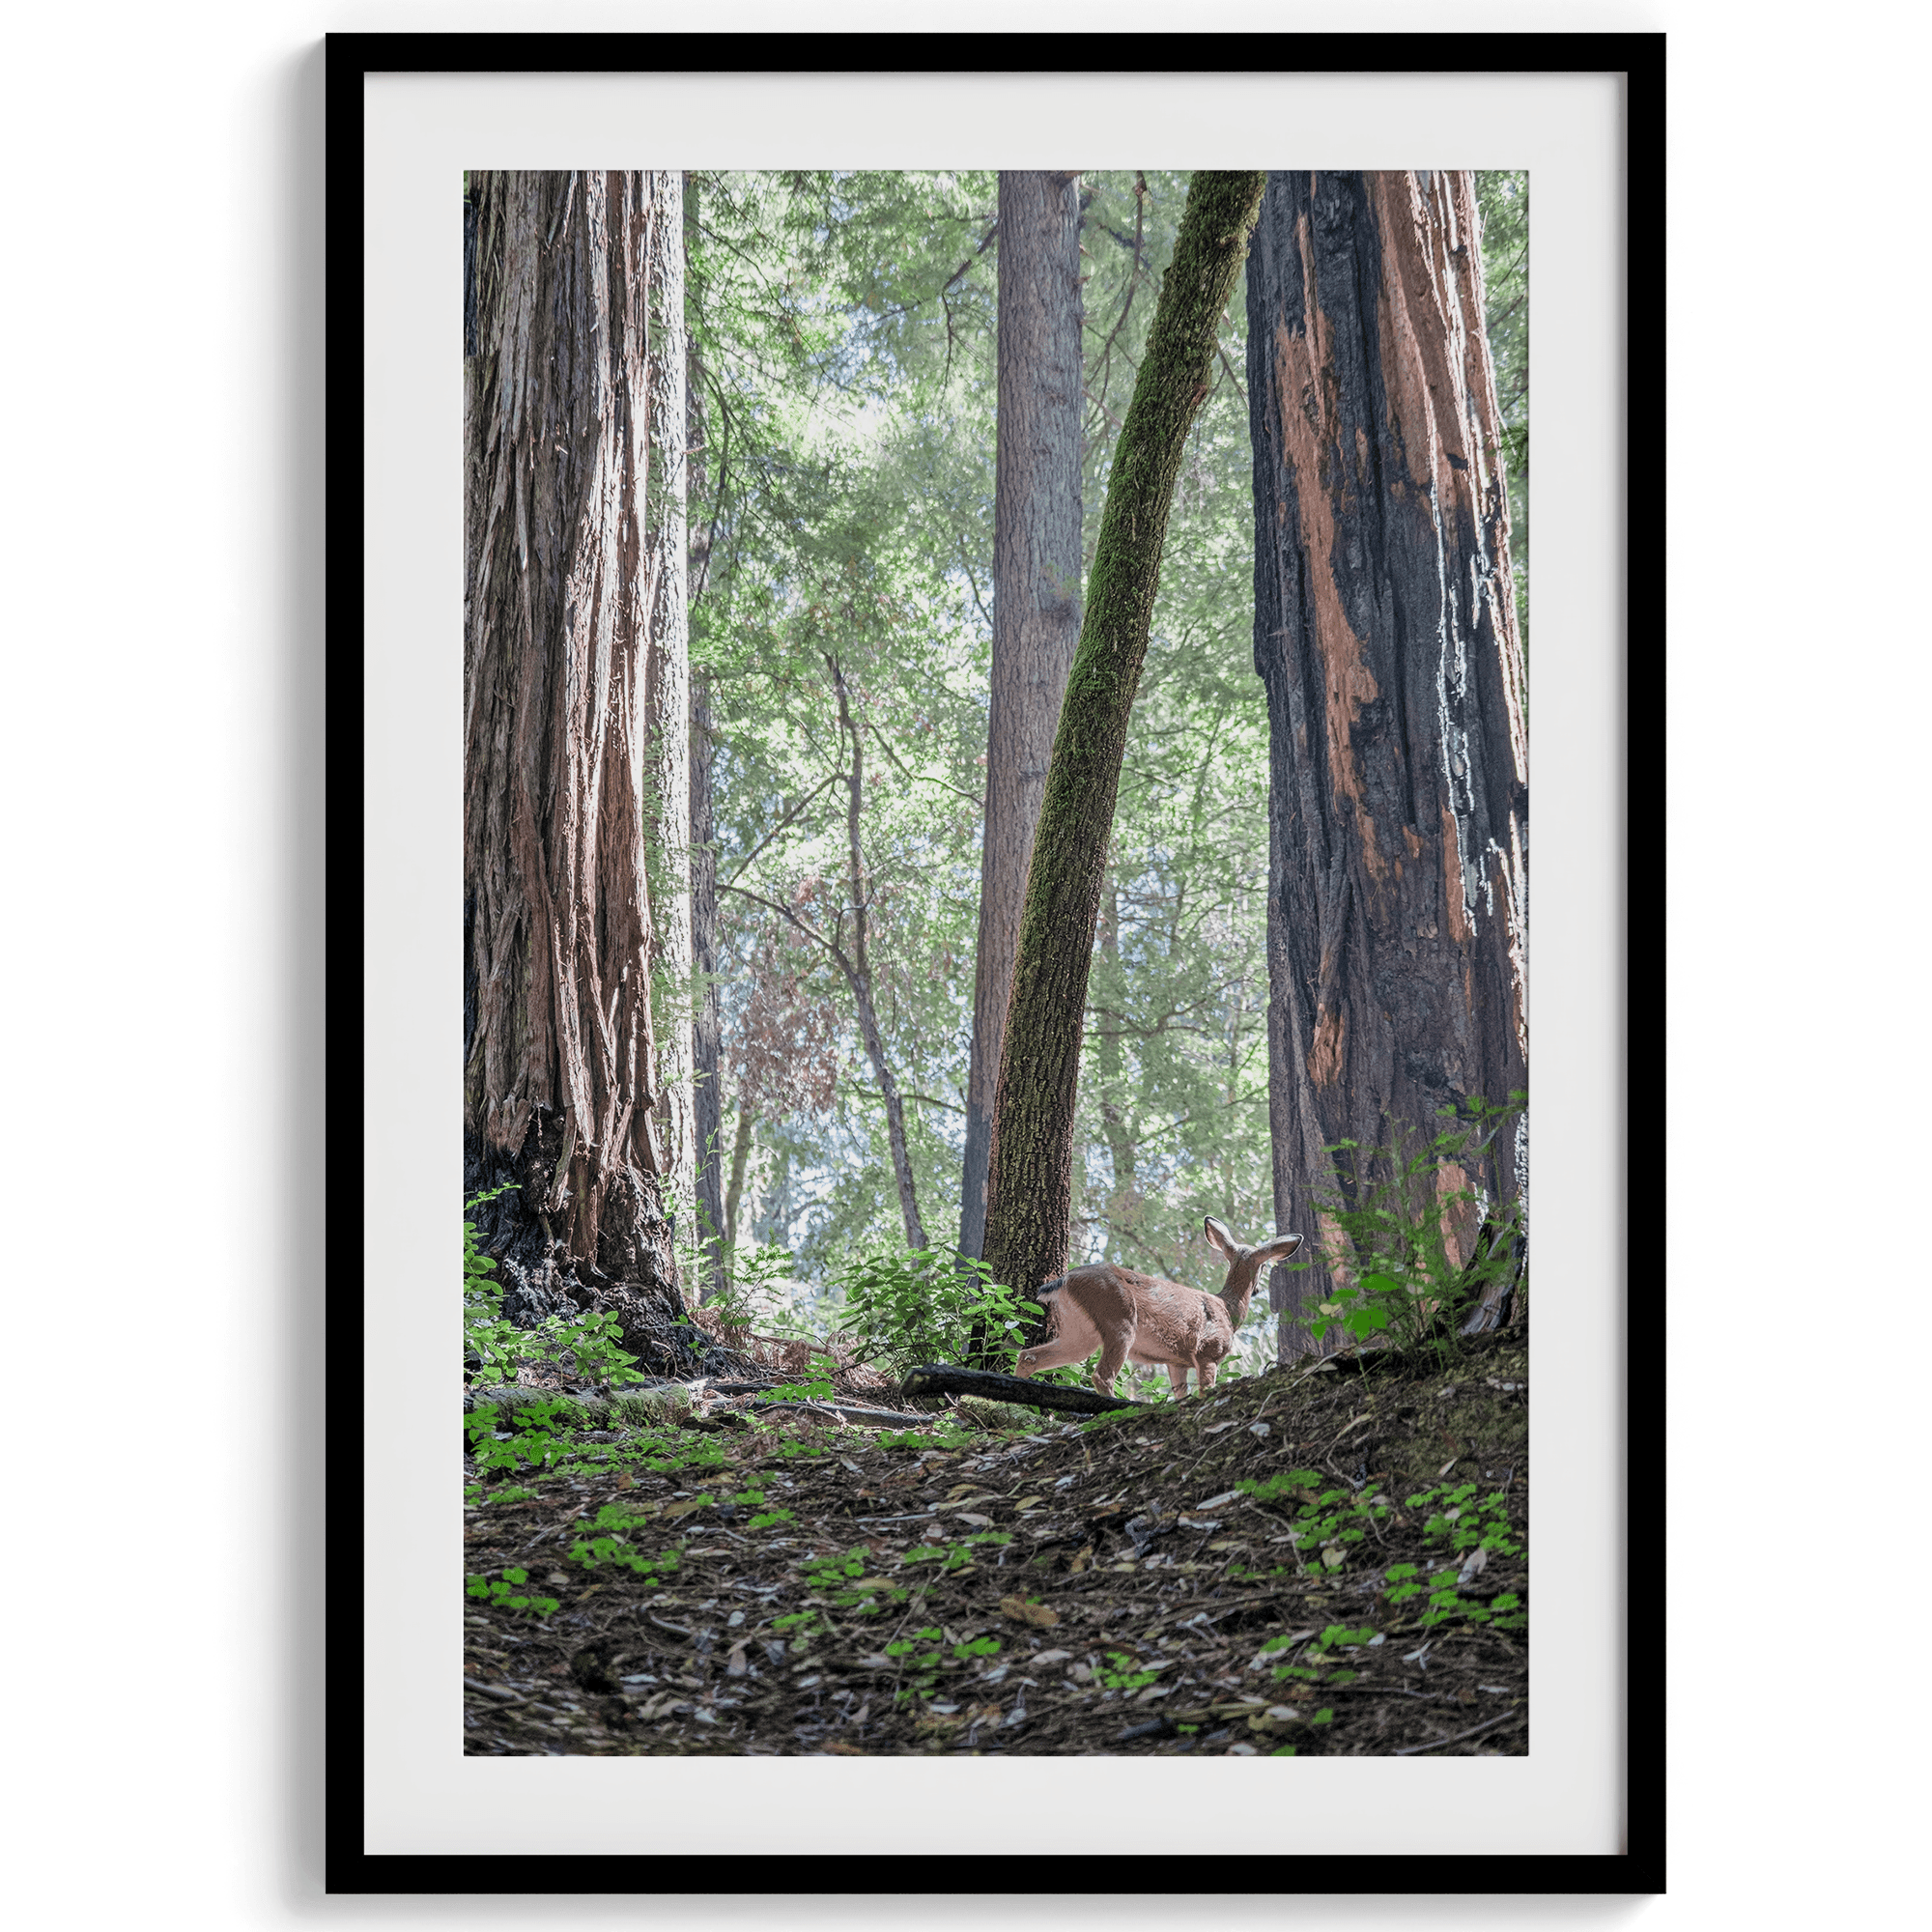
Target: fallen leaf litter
1100 1590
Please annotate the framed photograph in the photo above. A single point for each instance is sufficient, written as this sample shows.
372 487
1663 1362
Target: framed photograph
675 557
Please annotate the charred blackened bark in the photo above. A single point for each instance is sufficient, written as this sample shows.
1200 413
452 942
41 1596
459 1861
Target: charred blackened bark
1035 602
540 1278
1385 634
563 607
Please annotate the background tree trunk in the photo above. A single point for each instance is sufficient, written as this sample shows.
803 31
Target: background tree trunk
855 967
859 968
1035 601
1386 632
741 1152
563 582
667 690
1030 1190
707 1107
1116 1104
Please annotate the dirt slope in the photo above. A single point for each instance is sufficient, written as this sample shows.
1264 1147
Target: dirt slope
1078 1588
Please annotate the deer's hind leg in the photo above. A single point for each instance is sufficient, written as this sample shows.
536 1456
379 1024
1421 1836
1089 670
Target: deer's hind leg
1115 1341
1074 1339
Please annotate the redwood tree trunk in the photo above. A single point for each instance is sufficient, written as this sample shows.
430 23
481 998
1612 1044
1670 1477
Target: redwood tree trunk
1386 632
707 1106
1035 602
705 1031
567 613
667 690
1030 1190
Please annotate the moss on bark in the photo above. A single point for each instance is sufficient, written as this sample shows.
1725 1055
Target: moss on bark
1030 1185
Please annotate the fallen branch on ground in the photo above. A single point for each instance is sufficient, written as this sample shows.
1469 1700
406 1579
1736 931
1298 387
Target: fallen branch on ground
835 1410
943 1378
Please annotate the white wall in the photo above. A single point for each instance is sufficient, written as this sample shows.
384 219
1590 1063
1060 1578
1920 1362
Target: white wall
164 763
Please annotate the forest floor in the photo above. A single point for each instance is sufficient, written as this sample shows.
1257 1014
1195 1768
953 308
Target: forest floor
1325 1559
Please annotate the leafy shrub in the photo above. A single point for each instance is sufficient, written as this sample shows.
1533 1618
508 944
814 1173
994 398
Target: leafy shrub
485 1333
1467 1521
1394 1263
1329 1520
585 1345
595 1550
751 1298
507 1593
539 1436
923 1305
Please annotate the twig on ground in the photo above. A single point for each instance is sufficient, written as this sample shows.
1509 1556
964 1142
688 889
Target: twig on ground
1474 1731
495 1691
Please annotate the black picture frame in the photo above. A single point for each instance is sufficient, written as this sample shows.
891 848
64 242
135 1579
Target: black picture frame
351 59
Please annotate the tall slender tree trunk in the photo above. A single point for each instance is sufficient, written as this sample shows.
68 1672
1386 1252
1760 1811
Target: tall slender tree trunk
668 689
707 1103
858 968
569 612
1030 1191
1035 601
1386 632
741 1152
1117 1121
856 964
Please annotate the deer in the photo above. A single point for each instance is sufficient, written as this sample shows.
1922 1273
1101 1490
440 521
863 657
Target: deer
1141 1317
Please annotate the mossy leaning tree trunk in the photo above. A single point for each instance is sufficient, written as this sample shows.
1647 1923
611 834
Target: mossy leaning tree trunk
1386 632
574 627
1029 1188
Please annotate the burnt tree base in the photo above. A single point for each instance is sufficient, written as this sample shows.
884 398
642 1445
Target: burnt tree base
540 1278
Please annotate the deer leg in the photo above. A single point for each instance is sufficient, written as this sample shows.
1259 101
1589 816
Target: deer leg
1053 1353
1073 1340
1176 1376
1204 1375
1114 1347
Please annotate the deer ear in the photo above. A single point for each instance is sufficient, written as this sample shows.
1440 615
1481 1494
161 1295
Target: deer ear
1220 1234
1281 1246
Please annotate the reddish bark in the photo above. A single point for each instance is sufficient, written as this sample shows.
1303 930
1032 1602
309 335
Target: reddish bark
1386 632
563 573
